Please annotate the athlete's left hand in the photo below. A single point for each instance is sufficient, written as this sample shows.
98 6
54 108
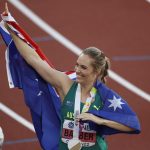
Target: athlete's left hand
85 116
90 117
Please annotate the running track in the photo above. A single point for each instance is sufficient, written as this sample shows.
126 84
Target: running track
121 28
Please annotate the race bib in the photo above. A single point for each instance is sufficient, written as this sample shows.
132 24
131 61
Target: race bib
86 135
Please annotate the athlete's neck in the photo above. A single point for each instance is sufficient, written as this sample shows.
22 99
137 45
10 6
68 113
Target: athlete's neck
85 91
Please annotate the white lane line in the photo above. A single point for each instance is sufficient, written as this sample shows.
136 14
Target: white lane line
46 27
16 117
129 85
65 42
148 1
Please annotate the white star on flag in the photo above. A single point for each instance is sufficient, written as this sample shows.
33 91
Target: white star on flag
40 93
115 102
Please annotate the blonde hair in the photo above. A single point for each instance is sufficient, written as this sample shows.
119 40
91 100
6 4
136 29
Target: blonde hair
101 62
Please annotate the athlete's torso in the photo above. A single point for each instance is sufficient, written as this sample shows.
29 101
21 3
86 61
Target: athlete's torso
89 138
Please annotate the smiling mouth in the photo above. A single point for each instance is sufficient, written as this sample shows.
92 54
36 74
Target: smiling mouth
79 75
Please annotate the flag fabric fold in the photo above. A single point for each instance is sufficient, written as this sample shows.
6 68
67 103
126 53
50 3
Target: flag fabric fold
43 101
40 97
117 109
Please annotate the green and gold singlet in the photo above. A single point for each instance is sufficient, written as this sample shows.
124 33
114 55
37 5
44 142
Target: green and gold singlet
89 138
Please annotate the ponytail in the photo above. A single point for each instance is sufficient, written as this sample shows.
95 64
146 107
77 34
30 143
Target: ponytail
104 71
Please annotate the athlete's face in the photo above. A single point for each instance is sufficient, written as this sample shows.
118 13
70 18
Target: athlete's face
84 70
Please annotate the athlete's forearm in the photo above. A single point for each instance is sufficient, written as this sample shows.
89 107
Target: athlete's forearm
32 58
101 121
24 49
111 124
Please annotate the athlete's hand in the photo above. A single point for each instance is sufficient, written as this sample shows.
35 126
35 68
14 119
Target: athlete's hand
6 11
85 116
91 117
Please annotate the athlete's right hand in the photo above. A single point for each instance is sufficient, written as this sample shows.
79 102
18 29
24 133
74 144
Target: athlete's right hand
6 11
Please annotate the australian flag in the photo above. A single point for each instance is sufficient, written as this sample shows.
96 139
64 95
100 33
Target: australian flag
43 101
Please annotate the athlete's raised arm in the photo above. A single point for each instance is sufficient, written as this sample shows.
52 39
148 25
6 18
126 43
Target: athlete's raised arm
56 78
